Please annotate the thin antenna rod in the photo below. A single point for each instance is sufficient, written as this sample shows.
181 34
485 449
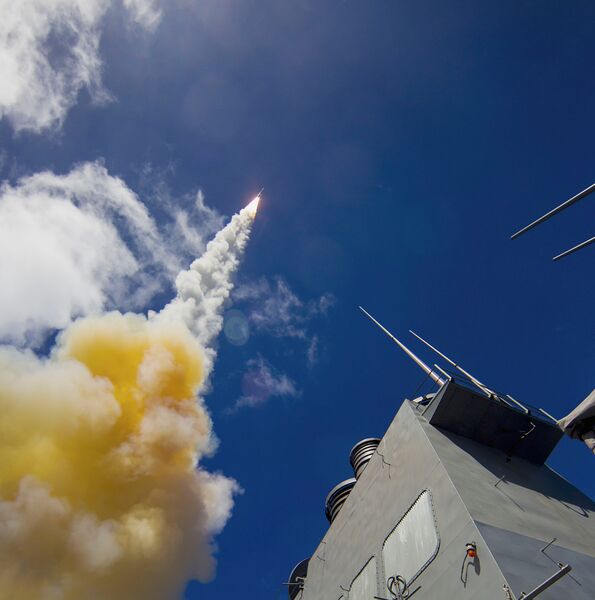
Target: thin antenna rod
575 248
555 211
420 363
478 383
439 368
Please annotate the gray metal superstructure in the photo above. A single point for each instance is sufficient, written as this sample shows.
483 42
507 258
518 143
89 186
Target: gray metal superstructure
457 502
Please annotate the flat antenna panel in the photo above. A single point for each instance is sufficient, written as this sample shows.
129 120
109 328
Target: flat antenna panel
420 363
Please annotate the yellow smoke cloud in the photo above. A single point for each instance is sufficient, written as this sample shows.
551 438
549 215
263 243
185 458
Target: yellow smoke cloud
100 497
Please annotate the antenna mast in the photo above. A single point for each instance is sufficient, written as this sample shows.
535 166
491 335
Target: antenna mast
554 211
575 248
420 363
476 381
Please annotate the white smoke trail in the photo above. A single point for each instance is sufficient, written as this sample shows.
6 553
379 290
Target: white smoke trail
101 492
205 287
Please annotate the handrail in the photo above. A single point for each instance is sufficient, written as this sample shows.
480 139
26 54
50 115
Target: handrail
564 570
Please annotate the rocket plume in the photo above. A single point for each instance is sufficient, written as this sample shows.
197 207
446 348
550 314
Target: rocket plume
203 290
101 495
252 208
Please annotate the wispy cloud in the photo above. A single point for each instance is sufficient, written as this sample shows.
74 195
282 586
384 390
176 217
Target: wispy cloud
89 243
260 383
312 354
144 13
50 52
188 221
274 308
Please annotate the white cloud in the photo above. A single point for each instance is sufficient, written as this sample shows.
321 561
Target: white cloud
262 382
191 223
187 221
313 352
49 52
275 309
71 244
144 13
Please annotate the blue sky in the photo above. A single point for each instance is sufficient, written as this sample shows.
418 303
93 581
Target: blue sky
400 145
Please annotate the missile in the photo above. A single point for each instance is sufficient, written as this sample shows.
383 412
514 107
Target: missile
252 208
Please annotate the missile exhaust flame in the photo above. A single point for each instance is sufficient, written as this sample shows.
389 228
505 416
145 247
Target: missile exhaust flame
252 208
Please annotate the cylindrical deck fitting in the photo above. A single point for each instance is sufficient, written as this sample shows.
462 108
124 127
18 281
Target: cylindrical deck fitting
361 454
336 498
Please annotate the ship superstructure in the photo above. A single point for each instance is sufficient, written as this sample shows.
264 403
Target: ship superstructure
455 501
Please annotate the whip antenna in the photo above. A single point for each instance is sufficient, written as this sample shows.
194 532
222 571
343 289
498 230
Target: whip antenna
420 363
476 381
555 211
